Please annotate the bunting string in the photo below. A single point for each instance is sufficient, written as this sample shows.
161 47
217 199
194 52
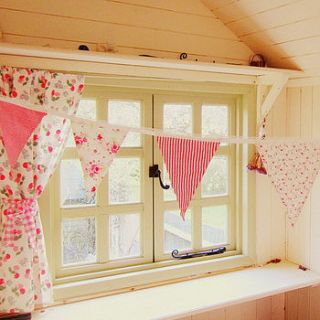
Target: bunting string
162 133
292 163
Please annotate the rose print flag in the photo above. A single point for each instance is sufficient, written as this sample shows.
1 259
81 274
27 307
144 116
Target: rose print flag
97 147
16 125
186 161
293 169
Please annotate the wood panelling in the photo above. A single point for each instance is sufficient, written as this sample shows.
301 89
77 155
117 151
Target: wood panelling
296 113
286 32
162 29
300 304
270 214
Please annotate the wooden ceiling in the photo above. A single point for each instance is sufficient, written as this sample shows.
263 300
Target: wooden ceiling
286 32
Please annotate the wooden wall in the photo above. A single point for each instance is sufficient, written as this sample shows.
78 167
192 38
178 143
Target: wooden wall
284 31
301 304
163 28
296 113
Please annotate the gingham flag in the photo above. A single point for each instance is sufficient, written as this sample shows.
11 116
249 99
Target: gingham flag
186 161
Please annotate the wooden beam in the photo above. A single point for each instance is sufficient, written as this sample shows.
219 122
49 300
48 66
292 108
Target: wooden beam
265 106
138 63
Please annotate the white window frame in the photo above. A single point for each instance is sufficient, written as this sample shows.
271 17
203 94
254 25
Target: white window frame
135 275
198 202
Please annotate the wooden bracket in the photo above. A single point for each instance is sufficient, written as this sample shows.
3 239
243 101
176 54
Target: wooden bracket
264 105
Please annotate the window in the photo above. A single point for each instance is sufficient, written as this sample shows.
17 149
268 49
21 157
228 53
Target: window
211 217
132 222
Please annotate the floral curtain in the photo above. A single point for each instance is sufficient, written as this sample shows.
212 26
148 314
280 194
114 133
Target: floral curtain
24 278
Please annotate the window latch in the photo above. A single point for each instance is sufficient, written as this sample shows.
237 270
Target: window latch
154 172
176 255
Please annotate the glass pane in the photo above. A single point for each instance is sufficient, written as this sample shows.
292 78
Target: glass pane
79 240
215 180
87 109
177 233
177 118
124 236
214 225
125 181
126 113
168 195
215 120
72 188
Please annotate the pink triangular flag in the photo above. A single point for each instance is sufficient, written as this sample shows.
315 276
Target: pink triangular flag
17 124
186 161
293 169
97 146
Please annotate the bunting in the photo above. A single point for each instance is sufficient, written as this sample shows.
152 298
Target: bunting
17 124
97 147
293 169
186 161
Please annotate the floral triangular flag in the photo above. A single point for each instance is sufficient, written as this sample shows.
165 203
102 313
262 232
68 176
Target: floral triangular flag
186 161
97 147
293 169
17 124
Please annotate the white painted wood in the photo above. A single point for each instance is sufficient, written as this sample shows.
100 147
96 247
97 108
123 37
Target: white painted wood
242 10
272 95
297 249
193 7
263 219
67 44
111 64
118 13
278 212
315 203
280 17
181 299
286 32
58 27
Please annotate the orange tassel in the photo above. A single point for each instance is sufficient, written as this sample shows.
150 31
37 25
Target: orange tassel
256 164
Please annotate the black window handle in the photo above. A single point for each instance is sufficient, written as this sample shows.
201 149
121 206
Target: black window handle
154 172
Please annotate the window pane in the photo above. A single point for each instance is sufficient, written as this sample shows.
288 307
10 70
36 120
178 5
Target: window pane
168 195
177 233
177 118
124 181
124 236
79 240
72 188
214 225
215 180
87 109
215 120
126 113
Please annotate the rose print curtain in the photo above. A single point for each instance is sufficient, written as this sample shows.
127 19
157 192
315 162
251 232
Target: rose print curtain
24 278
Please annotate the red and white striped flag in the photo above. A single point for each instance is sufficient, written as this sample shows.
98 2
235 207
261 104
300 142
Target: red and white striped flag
186 161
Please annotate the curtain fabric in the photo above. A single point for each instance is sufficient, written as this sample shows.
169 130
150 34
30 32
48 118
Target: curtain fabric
24 278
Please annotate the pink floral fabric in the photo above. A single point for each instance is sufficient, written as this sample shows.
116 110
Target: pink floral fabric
24 278
97 147
293 169
17 124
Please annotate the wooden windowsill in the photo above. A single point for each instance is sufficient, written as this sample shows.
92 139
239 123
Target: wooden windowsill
190 297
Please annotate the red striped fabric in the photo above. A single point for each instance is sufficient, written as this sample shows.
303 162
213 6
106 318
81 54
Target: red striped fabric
186 161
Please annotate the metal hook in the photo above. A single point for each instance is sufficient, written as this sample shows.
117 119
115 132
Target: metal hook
154 172
176 255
